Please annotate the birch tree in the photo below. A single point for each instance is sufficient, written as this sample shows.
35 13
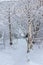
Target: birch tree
33 6
29 44
10 27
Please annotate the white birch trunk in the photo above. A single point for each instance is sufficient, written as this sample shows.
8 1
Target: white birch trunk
29 44
10 28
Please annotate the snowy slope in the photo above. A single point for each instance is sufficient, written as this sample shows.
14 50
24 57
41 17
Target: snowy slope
16 55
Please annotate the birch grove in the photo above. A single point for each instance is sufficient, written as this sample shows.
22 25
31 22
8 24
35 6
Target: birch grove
23 18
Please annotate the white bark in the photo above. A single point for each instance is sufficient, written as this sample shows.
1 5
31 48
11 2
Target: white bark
10 28
29 44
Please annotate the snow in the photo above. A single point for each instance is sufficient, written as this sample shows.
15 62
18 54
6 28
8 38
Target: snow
36 54
16 54
12 55
8 0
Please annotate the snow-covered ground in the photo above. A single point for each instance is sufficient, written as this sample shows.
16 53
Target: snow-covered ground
16 54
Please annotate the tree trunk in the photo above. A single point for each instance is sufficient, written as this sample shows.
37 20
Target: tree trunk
10 28
29 44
